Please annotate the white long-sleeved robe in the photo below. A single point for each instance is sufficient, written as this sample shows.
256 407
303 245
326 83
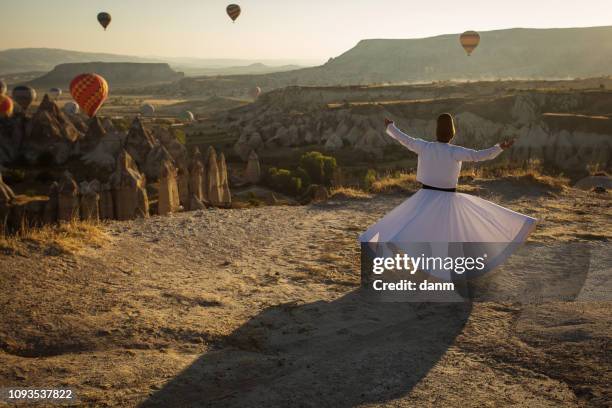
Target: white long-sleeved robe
439 164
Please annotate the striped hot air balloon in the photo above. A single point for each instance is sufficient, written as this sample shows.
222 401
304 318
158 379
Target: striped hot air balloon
90 91
104 19
6 106
233 11
470 40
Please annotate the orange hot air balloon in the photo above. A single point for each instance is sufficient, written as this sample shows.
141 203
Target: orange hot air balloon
233 11
6 106
470 40
89 91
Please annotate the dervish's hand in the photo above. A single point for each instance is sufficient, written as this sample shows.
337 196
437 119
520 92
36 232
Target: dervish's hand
506 144
388 122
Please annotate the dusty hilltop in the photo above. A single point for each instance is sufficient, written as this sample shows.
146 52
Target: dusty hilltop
255 306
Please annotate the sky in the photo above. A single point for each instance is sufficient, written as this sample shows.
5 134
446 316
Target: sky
270 29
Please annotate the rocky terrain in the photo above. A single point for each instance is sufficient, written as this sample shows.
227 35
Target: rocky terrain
260 307
117 74
563 128
95 171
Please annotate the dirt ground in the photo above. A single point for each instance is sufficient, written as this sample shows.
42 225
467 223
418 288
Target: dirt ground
260 307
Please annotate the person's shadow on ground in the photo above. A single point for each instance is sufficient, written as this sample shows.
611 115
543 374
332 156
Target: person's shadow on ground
324 354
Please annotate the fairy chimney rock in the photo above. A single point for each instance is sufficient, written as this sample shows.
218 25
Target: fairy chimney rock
128 189
213 179
226 196
68 198
196 181
168 200
90 200
94 135
139 142
107 211
253 169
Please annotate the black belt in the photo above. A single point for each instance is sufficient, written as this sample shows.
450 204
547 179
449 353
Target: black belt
448 190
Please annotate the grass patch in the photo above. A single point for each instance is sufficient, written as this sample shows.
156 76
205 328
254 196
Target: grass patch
349 193
61 239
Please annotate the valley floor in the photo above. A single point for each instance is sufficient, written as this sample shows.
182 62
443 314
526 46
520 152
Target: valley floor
260 307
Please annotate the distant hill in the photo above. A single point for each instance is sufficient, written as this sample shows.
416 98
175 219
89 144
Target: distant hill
118 74
45 59
513 53
251 69
518 53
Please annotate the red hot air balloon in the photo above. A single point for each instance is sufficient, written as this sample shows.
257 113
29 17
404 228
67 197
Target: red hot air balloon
233 11
470 40
6 106
90 91
104 19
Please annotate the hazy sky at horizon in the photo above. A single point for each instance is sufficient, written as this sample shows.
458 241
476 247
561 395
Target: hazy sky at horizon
284 29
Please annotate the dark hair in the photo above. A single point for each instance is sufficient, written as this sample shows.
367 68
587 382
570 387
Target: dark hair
445 130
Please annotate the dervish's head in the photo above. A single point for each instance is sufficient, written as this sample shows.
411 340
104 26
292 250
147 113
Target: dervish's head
445 130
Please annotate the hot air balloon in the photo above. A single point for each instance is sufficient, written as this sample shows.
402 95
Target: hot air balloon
24 96
470 40
71 108
2 87
104 19
255 92
187 116
147 109
55 93
233 11
89 91
6 106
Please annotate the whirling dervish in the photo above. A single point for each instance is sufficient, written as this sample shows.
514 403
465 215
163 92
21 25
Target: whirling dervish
437 214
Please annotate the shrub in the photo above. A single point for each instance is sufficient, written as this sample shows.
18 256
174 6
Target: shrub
369 179
320 168
284 181
303 175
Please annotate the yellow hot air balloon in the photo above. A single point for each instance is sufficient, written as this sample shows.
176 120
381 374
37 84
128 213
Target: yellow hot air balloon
233 11
469 41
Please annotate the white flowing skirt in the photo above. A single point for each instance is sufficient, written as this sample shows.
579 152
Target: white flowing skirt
437 218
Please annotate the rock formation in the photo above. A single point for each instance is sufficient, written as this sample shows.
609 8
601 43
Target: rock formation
226 196
51 210
183 179
214 192
6 198
168 200
68 199
158 154
49 133
139 142
107 211
252 174
196 182
90 200
96 132
129 193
